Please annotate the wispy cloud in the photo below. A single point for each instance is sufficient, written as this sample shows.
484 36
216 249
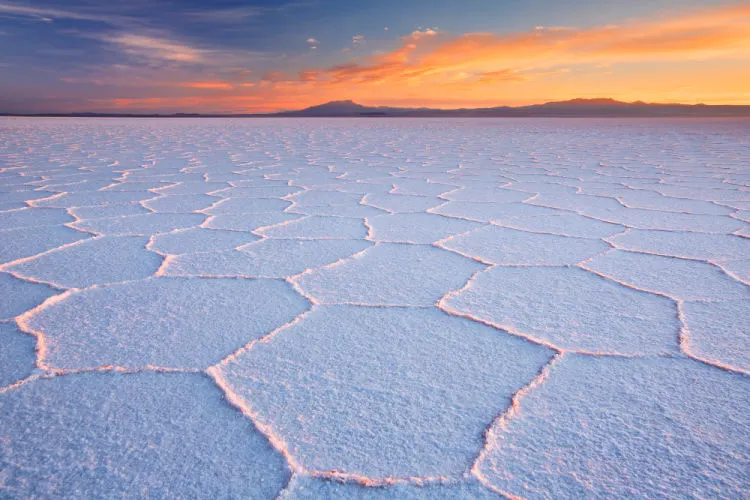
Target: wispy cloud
49 14
156 48
208 85
229 15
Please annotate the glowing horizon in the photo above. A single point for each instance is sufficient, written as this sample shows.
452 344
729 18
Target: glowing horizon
136 60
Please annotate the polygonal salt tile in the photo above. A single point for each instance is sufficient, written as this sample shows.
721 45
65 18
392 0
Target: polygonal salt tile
655 201
143 225
94 261
25 242
514 247
16 181
137 186
256 178
171 322
249 222
334 203
685 245
608 427
701 193
738 269
70 200
318 227
603 207
356 210
486 212
306 487
567 224
487 194
421 188
361 187
191 187
667 221
104 211
393 274
248 206
383 391
184 203
401 203
571 308
32 217
99 435
269 191
679 278
272 258
18 199
17 355
719 331
18 296
418 228
199 240
78 187
320 198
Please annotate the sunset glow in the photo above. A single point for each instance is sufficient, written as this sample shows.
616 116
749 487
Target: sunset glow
260 57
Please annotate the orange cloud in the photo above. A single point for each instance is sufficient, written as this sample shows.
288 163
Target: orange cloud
207 85
156 48
722 32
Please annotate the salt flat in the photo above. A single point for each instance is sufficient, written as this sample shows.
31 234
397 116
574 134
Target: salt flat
374 308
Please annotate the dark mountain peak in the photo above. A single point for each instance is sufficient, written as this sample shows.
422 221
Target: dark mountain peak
343 102
345 107
599 101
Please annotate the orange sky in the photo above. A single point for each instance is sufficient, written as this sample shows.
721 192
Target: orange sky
691 57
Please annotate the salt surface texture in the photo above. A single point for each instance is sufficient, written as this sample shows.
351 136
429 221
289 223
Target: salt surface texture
374 308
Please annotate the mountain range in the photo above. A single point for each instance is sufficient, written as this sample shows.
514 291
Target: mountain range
574 108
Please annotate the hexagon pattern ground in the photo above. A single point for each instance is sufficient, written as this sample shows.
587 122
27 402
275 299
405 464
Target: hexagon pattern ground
369 309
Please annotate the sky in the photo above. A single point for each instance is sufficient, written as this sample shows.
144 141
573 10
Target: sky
232 56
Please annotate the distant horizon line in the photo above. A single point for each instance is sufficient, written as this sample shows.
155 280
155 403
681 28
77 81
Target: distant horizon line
575 107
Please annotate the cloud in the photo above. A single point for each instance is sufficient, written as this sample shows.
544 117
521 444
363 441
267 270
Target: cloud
309 76
421 33
229 15
357 39
273 76
49 14
208 85
503 75
156 48
240 14
312 41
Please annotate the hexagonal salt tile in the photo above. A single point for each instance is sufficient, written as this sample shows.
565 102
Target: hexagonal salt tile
391 274
383 391
572 309
170 322
648 427
98 435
